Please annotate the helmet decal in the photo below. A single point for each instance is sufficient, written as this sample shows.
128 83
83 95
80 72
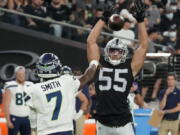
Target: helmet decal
48 66
116 44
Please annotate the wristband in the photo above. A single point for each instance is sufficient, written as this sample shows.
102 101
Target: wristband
79 114
93 62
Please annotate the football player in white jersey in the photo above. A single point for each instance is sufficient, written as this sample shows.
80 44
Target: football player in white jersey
16 112
53 99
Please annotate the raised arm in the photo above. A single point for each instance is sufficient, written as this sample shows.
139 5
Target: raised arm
93 51
93 54
88 74
140 53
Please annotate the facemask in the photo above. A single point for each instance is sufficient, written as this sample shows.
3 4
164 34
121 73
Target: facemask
170 16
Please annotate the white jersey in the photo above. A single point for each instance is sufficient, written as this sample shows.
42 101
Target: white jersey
54 103
17 104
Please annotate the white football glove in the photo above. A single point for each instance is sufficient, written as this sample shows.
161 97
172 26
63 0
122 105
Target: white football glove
125 13
78 115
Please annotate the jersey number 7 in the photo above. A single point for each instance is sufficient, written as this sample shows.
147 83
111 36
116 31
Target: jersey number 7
58 97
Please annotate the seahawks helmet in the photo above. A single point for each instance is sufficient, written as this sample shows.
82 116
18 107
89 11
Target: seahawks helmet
48 66
66 70
115 44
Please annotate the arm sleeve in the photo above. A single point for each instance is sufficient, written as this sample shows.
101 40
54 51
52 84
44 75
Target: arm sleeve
9 86
28 97
76 83
33 118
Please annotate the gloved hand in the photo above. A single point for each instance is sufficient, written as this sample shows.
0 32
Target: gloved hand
138 10
108 11
79 114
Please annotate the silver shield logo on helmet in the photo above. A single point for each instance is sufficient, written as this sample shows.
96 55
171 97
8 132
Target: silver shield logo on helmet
115 43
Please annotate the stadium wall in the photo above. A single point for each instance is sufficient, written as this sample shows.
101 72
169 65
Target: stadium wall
21 46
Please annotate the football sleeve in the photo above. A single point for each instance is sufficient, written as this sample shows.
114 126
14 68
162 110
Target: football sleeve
33 118
75 83
9 86
28 97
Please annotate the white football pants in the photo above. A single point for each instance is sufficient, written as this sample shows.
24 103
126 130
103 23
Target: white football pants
105 130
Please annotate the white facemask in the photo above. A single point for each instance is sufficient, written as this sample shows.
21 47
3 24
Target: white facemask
170 16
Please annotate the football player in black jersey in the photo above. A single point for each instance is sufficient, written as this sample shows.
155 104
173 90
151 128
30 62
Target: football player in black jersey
115 75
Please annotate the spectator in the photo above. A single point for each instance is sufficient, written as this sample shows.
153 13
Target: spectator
160 4
153 36
81 20
153 15
17 5
102 3
83 4
170 35
36 8
97 15
167 19
16 112
59 11
170 106
77 34
126 32
3 3
122 4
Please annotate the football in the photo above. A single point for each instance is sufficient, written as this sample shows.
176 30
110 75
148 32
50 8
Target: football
115 22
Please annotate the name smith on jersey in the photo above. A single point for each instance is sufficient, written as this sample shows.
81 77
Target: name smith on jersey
51 85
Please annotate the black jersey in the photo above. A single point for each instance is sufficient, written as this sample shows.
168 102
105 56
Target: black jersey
112 85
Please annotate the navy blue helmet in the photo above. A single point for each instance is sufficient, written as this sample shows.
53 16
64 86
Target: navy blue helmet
66 70
48 66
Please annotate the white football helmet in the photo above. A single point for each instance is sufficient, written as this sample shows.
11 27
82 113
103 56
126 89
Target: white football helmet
116 44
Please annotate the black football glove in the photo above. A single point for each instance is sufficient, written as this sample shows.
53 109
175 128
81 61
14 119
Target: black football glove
108 11
138 10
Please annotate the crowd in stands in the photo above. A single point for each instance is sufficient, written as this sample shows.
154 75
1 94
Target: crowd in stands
162 18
